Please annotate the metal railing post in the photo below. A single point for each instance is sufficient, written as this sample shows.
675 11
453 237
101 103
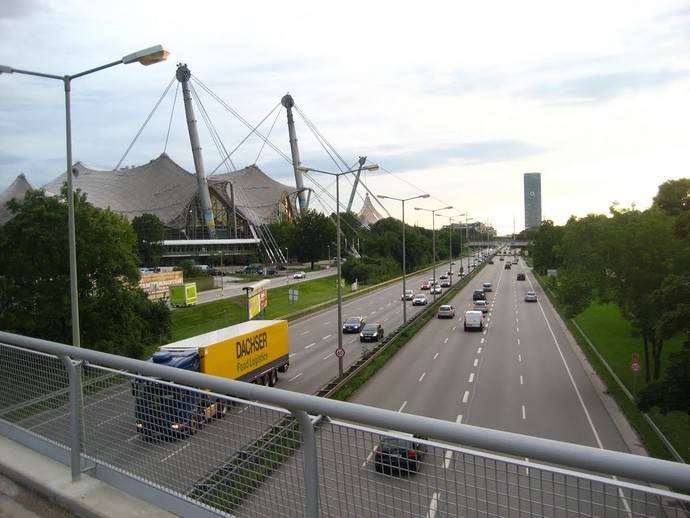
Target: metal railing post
311 464
75 403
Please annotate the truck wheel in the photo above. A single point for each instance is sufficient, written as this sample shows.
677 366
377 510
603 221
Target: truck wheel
266 380
274 377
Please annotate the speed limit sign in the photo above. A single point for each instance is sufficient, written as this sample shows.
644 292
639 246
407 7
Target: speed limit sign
340 352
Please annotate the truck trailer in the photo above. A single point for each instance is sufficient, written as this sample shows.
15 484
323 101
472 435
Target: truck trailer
254 351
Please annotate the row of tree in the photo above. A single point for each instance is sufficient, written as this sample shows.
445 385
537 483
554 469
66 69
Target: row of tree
115 315
639 260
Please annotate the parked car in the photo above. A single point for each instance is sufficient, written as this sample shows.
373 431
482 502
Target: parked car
520 276
252 269
487 287
408 295
426 285
481 305
354 324
478 295
474 320
446 311
371 333
530 296
399 456
299 275
419 300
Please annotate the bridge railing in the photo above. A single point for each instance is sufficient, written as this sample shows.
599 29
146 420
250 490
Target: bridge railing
258 451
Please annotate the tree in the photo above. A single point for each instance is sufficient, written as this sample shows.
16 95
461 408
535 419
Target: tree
672 392
149 231
544 250
115 314
312 230
673 197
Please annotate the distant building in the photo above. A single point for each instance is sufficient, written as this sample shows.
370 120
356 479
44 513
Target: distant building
17 190
532 200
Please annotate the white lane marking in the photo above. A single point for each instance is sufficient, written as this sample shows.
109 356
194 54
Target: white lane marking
326 357
304 333
454 328
523 412
326 323
488 320
471 379
132 437
433 506
445 341
310 345
466 396
291 355
519 357
459 419
295 377
449 456
518 329
484 331
326 337
481 341
112 418
435 356
476 361
479 350
368 458
521 382
381 308
373 312
421 377
516 320
518 341
176 452
402 406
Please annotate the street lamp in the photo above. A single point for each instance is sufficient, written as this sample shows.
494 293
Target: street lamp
302 169
433 236
146 57
403 200
467 240
450 245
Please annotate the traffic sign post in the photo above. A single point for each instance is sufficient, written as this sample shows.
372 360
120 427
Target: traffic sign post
340 352
635 367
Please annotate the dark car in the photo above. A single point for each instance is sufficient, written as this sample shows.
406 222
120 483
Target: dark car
520 276
371 333
399 456
478 295
354 324
507 266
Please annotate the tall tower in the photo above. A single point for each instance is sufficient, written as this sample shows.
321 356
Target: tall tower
532 200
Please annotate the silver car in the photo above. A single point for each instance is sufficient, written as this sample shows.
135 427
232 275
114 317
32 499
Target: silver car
446 311
530 296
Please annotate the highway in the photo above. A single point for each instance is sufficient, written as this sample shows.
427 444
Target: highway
518 375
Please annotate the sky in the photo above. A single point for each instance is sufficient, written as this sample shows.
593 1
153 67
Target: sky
455 99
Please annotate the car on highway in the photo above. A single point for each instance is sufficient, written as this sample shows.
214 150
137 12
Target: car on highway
371 333
354 324
436 289
474 320
445 283
491 261
520 276
487 287
478 295
530 296
408 295
426 285
399 456
419 300
481 305
299 275
500 258
446 311
507 266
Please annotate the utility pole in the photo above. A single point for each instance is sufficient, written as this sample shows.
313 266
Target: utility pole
288 102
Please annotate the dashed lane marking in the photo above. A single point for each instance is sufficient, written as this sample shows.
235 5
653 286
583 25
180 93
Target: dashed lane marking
326 357
466 396
521 379
326 337
295 377
310 345
402 406
445 341
435 356
471 379
421 377
479 350
449 456
481 341
476 362
523 412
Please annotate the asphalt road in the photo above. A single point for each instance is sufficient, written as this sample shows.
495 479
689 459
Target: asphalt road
313 339
518 375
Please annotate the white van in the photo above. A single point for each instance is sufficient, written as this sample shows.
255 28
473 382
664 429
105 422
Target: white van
474 320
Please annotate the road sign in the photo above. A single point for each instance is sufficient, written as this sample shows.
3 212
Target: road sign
635 357
340 352
293 295
635 367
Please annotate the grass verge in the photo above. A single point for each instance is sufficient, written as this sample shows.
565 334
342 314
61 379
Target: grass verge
612 336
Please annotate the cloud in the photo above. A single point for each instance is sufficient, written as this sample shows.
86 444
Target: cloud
463 152
21 8
600 87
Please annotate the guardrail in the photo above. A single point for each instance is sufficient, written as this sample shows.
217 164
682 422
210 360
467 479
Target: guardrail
80 406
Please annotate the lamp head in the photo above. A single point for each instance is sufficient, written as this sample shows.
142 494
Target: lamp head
147 56
6 70
371 167
303 169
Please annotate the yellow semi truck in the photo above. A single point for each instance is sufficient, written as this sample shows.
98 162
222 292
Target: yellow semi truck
254 351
